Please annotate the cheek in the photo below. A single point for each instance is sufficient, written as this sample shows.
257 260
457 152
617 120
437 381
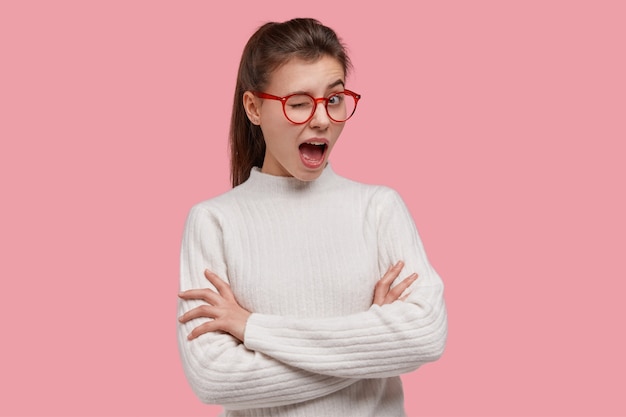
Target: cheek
272 127
272 118
337 132
279 134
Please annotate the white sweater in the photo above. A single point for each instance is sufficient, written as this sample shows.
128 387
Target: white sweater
304 257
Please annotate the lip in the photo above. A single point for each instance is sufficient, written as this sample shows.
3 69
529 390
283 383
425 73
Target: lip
310 164
316 140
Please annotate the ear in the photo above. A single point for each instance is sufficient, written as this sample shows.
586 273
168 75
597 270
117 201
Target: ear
252 106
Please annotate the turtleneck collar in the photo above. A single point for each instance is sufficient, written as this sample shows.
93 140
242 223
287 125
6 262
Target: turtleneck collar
266 183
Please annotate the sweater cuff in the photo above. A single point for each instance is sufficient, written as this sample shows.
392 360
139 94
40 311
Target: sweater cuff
252 331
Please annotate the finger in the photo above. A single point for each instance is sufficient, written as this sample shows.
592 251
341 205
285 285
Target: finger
405 296
392 273
209 326
205 294
201 311
382 286
221 285
397 291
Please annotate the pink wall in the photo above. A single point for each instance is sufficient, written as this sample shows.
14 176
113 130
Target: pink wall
502 124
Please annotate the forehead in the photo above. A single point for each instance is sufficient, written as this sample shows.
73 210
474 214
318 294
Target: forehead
307 76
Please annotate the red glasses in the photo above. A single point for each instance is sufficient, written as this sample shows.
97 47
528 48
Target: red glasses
300 108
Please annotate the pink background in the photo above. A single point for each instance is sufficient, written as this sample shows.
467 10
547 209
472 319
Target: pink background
501 123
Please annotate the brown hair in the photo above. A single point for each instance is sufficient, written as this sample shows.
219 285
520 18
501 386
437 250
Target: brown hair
271 46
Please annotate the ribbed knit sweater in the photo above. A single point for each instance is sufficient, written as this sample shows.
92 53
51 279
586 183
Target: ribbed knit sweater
304 257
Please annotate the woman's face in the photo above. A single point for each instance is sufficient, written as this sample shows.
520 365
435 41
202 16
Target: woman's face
292 150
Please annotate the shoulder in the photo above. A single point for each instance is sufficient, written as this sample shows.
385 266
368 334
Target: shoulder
378 203
216 207
376 194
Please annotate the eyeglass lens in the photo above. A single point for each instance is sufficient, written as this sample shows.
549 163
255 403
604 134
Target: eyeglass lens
299 108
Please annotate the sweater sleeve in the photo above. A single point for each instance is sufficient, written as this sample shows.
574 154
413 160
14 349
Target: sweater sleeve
219 368
383 341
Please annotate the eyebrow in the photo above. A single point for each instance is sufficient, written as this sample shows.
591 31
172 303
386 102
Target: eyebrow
336 83
330 86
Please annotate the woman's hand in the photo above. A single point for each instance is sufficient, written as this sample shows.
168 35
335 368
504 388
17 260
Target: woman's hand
228 316
384 294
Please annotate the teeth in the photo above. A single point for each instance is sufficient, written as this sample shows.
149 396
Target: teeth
316 143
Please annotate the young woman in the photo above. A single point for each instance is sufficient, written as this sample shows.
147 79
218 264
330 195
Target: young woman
299 288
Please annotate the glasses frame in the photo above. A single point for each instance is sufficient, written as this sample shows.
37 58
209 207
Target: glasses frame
325 100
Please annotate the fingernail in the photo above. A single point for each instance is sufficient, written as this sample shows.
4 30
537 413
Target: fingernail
399 263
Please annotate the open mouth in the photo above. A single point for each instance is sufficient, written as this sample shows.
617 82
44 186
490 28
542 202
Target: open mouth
312 153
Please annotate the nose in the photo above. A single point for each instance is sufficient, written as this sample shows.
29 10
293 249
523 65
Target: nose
320 119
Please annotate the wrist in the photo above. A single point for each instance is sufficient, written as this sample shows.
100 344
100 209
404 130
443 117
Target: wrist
238 326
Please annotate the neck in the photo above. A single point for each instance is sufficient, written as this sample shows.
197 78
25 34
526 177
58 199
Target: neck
268 183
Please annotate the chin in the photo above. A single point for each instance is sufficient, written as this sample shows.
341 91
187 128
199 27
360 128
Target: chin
308 174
